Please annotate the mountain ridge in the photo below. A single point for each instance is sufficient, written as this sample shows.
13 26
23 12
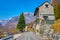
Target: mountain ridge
11 23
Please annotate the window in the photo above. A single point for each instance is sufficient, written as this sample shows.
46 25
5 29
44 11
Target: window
46 5
45 17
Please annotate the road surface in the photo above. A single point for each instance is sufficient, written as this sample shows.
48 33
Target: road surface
28 36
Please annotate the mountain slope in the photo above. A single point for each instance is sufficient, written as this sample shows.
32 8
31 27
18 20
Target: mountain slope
29 17
2 22
1 29
11 23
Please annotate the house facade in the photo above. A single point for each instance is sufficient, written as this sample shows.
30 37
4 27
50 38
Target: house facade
44 15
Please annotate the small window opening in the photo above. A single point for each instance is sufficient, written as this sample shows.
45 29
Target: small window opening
46 5
45 17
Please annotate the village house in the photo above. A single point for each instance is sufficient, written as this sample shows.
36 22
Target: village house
44 15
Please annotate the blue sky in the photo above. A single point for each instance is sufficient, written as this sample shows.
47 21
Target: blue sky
10 8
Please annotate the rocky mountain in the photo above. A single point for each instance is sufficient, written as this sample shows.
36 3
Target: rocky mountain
29 17
11 23
2 22
1 29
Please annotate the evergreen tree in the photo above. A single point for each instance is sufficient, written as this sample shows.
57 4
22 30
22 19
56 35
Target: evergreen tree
21 23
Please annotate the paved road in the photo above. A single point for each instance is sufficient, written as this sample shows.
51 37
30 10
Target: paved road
28 36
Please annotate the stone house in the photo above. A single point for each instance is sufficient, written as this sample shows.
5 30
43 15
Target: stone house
44 15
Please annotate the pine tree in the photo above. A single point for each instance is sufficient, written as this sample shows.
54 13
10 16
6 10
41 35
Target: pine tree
21 23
